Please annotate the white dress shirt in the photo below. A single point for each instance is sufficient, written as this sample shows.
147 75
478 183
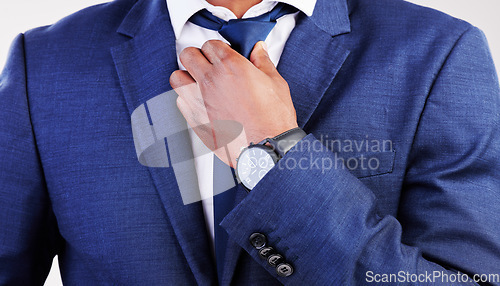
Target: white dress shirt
188 34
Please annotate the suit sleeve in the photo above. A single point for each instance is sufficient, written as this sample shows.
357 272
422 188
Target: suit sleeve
27 225
324 222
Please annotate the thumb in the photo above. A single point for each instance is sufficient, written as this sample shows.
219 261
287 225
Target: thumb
260 59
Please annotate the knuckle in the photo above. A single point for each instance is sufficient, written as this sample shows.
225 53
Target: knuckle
283 87
228 57
208 75
284 84
208 79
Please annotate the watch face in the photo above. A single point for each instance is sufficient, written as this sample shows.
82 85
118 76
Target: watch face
254 163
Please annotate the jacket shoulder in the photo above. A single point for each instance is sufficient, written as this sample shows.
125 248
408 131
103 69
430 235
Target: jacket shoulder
399 18
94 24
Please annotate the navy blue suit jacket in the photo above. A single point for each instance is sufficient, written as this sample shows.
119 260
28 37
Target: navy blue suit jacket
359 71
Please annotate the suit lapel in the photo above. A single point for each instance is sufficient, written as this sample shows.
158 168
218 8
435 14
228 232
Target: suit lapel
144 64
310 61
312 57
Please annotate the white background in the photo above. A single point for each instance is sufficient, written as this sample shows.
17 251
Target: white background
17 16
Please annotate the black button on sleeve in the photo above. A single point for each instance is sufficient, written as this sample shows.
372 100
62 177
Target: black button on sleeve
284 270
275 259
258 240
265 252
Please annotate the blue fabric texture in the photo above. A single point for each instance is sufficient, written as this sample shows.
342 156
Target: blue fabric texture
419 82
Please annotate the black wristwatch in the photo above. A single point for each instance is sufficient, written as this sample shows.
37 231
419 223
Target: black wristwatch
257 160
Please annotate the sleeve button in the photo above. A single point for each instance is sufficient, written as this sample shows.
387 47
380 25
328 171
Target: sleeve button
275 259
258 240
265 252
284 270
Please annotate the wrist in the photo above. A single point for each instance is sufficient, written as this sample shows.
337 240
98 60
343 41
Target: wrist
257 160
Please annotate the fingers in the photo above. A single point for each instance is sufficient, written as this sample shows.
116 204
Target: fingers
215 51
191 105
185 86
199 62
202 64
190 100
180 78
260 59
187 89
195 63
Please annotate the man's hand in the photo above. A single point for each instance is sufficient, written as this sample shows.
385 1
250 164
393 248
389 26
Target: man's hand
222 91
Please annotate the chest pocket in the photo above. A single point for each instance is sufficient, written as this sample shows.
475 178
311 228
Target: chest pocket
367 164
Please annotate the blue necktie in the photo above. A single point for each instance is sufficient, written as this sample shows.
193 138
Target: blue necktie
224 201
243 34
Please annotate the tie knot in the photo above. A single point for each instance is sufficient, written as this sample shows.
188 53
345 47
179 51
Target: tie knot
243 34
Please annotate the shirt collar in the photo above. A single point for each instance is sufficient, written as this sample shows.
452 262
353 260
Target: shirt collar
181 10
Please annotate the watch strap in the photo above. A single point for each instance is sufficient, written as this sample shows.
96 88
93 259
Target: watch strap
287 140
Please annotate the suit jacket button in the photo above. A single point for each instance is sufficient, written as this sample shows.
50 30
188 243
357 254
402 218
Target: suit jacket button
265 252
258 240
284 270
275 259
